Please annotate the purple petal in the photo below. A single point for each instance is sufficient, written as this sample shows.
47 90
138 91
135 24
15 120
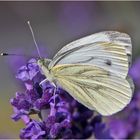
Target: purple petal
119 129
55 130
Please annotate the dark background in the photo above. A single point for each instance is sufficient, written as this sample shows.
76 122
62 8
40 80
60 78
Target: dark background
55 24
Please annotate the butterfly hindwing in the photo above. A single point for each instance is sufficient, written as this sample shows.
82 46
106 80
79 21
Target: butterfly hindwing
94 87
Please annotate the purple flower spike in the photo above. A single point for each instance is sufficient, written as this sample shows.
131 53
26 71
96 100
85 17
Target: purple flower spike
34 130
29 71
40 103
101 132
19 114
120 129
135 72
55 130
66 123
61 117
21 102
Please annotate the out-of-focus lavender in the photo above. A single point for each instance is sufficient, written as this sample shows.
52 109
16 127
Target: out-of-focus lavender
75 17
65 118
13 61
126 124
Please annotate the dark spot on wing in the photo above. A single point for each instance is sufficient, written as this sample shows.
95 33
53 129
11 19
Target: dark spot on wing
128 54
86 61
108 62
98 87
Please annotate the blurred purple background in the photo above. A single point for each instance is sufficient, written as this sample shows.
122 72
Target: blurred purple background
55 24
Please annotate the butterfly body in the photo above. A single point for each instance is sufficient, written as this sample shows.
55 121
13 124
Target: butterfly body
94 71
43 64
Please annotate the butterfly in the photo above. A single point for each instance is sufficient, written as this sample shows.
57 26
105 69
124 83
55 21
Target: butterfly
94 71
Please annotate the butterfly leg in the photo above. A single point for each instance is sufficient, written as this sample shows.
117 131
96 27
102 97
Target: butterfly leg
43 81
54 92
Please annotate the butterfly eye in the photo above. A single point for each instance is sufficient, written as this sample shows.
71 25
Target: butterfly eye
39 62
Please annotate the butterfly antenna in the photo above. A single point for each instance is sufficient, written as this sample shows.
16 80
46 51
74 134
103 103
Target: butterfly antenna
11 54
34 38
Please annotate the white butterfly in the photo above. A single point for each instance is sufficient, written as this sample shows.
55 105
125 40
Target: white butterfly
93 70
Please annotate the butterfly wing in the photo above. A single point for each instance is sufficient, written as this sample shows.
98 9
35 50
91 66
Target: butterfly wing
108 50
94 87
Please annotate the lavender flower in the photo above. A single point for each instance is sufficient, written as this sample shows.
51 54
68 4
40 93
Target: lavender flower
65 118
33 130
120 128
134 72
29 71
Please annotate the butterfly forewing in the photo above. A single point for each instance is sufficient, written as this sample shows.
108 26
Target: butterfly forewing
107 50
105 36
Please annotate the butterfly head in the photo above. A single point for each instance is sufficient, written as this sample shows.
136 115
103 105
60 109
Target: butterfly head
40 62
43 62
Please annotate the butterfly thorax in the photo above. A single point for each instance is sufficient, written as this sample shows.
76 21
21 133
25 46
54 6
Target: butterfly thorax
43 64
